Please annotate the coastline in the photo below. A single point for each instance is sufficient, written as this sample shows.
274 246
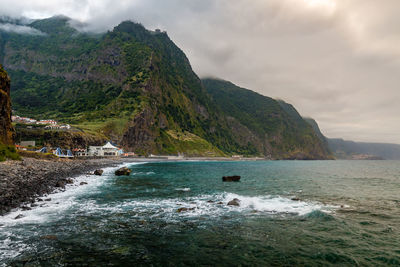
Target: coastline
23 182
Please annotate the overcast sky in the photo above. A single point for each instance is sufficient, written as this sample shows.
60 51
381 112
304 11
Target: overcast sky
336 61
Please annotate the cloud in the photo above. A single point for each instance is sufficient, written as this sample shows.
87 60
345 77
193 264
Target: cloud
335 60
19 29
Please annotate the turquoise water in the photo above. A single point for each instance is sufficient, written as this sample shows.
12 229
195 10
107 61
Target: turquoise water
348 213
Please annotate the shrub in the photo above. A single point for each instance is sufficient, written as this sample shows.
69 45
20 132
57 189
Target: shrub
8 152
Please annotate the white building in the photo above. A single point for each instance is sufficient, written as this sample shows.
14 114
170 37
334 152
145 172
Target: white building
104 151
44 122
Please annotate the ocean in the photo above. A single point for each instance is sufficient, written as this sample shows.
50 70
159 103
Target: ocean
291 213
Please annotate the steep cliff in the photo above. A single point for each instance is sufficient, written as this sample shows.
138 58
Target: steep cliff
272 128
6 129
133 85
137 88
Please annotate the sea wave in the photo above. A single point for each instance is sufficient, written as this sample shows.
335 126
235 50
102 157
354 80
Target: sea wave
61 200
212 205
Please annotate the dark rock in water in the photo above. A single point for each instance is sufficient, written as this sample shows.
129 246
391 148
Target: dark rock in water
182 210
19 217
123 172
234 202
34 205
47 199
295 199
98 172
220 203
49 237
234 178
69 181
210 201
83 183
25 208
39 200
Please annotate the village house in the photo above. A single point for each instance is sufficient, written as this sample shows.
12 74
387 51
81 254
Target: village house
58 127
104 151
45 122
23 120
80 152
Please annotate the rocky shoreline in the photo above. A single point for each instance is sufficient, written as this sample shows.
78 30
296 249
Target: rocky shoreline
22 182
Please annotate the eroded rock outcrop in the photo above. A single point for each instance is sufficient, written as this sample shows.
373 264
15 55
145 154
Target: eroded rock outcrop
6 130
235 178
123 172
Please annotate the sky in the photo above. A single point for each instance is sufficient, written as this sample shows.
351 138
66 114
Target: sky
336 61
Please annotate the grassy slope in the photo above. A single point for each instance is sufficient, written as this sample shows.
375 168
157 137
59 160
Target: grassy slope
104 84
135 69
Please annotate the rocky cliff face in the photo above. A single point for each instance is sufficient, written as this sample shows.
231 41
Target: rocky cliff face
268 127
137 88
6 129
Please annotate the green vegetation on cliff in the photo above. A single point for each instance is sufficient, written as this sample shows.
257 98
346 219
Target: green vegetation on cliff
137 88
276 127
7 149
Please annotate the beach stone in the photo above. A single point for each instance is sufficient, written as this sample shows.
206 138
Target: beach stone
234 202
123 172
21 182
98 172
234 178
60 184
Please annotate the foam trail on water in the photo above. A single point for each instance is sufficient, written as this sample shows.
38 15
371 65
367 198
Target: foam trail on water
186 189
209 205
275 205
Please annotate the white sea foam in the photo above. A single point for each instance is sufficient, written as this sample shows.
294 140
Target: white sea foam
276 205
186 189
12 240
212 205
208 205
61 200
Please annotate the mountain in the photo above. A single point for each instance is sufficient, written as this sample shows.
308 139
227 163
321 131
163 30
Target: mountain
343 149
6 129
352 150
270 127
137 88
